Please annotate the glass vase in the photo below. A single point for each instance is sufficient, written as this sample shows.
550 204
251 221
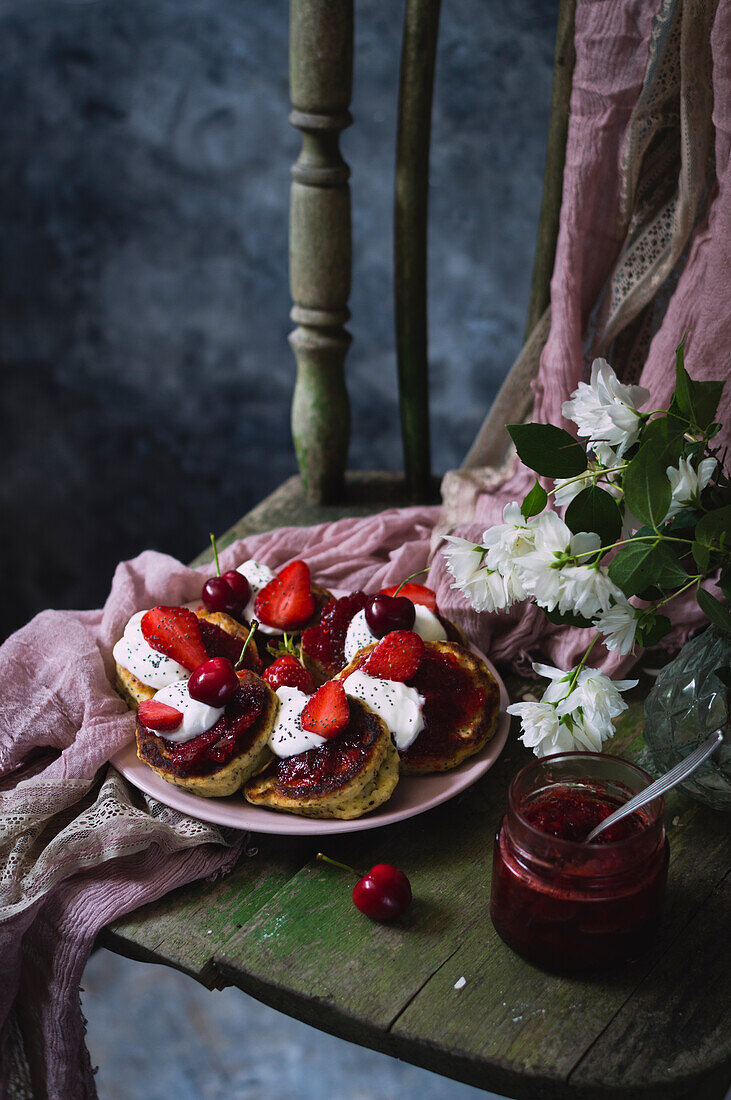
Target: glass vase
689 701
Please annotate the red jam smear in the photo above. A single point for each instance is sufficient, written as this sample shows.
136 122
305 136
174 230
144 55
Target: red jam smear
325 642
220 644
222 741
330 765
452 701
570 813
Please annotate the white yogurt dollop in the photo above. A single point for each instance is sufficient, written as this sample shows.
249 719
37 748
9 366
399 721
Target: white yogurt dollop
288 738
197 717
258 575
135 653
397 704
426 625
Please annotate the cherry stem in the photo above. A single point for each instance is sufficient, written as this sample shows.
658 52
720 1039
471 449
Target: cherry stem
250 635
406 581
336 863
215 553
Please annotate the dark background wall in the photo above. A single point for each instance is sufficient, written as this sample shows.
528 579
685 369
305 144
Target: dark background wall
144 176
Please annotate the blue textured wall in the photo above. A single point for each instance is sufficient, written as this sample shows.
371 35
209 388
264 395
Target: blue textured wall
144 176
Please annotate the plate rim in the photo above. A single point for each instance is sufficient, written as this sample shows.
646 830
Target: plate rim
276 823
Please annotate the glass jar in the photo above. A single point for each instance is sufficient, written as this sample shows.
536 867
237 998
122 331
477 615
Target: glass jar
565 905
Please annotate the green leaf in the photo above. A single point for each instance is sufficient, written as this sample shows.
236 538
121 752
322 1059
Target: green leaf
638 565
548 450
714 610
535 501
652 629
565 618
711 535
725 582
684 520
631 568
594 509
647 491
697 401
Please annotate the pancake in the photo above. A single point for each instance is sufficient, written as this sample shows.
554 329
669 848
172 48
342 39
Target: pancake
222 637
461 709
346 777
217 763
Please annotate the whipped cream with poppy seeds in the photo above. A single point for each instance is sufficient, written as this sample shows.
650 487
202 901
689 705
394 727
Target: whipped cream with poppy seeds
258 575
135 653
288 738
426 625
398 705
197 717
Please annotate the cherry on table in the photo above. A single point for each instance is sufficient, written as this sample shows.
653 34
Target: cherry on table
386 613
383 894
214 682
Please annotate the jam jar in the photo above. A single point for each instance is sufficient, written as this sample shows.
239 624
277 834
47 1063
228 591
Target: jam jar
569 906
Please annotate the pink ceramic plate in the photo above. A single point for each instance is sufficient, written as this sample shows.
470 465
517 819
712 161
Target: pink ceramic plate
414 794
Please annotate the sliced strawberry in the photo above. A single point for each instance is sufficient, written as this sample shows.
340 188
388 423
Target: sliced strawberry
327 711
286 602
159 716
417 593
175 631
287 671
396 657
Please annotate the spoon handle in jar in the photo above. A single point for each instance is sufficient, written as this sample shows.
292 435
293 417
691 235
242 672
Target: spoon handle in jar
676 775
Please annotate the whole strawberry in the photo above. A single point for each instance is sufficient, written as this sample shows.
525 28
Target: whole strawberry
287 671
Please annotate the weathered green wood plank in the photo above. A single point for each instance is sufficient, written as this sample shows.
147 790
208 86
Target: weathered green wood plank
529 1029
187 927
667 1017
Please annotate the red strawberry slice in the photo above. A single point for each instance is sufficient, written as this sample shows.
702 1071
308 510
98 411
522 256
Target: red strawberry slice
396 657
159 716
175 631
327 711
417 593
286 602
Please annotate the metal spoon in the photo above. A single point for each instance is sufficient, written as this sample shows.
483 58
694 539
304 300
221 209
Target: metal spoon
676 775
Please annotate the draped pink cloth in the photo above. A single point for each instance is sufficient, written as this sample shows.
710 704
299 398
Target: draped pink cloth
78 848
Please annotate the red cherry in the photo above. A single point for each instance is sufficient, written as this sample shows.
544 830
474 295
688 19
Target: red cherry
214 682
218 595
386 613
383 894
239 585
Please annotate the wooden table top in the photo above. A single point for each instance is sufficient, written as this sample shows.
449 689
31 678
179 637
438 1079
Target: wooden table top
282 927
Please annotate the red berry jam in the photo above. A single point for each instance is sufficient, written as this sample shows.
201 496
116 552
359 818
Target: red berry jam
569 906
220 644
326 641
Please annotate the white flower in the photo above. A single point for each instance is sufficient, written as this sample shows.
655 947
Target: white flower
508 541
606 456
605 411
619 626
598 698
543 731
579 718
586 589
484 588
538 570
688 484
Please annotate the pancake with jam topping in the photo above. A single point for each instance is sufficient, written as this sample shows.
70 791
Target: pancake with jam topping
218 762
460 710
347 776
222 636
